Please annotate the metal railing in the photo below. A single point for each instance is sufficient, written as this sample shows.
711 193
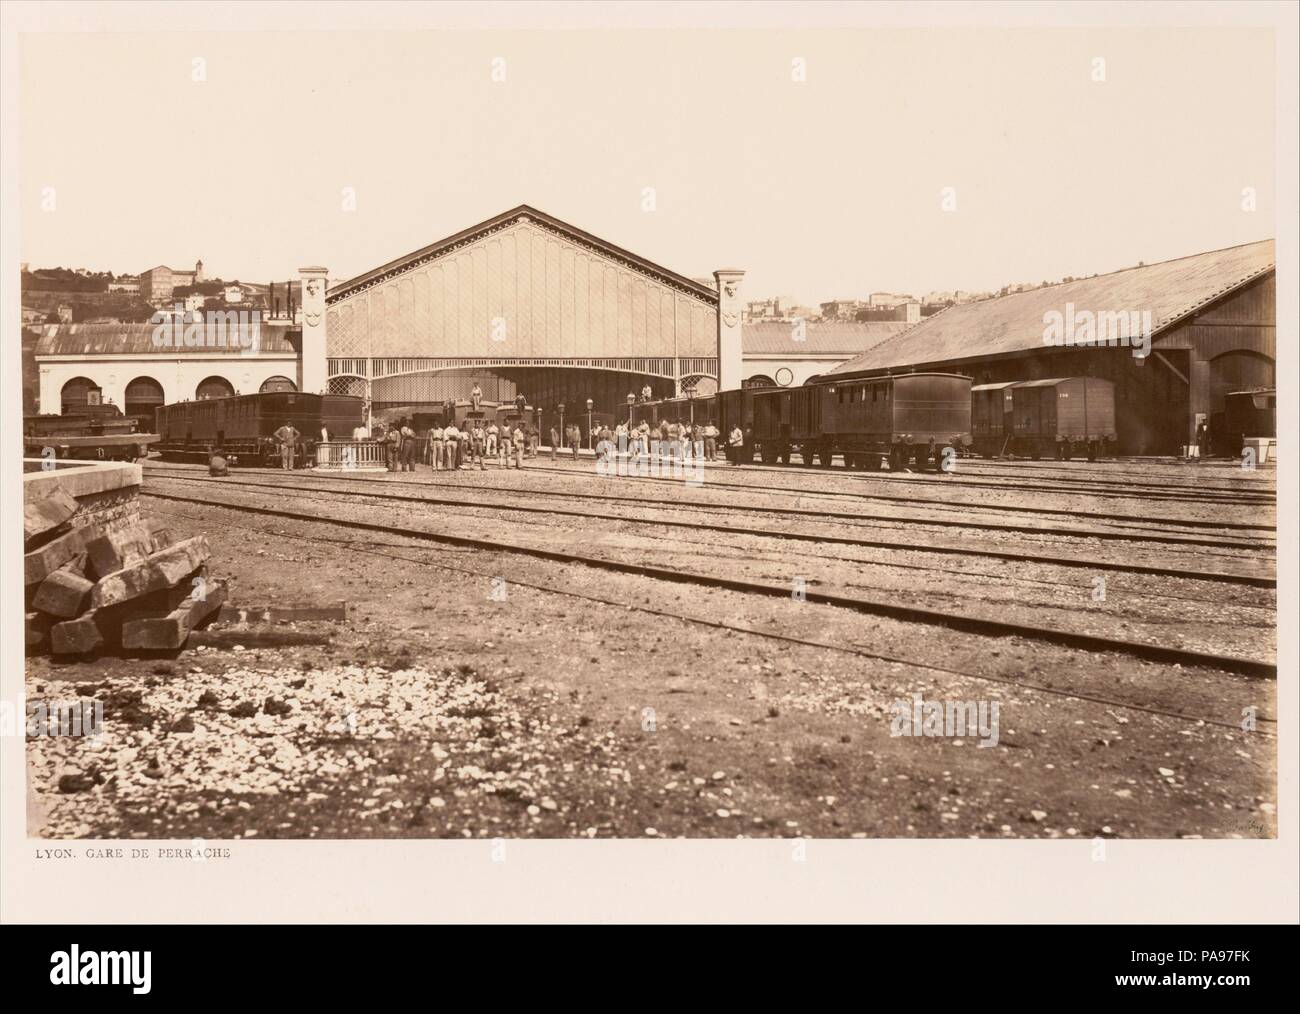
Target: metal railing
349 455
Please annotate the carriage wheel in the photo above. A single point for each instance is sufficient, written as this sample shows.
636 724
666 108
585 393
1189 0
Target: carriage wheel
898 459
826 453
1067 451
871 461
806 455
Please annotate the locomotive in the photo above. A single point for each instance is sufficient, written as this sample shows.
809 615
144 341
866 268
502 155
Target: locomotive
243 426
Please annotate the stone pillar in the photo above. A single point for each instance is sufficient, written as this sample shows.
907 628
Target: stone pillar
51 393
312 375
730 353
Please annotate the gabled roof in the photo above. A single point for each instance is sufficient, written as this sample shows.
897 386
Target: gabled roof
1170 290
138 339
523 211
776 337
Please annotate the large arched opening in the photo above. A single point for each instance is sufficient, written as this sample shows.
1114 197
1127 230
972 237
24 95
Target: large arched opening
77 394
277 384
143 395
214 387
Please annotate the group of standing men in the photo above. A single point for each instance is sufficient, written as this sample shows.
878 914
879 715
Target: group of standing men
453 447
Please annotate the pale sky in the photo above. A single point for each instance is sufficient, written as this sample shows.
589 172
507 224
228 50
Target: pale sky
822 189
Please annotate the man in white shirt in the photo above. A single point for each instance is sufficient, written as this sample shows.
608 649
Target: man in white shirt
451 441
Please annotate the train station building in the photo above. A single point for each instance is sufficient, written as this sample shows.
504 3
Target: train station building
527 304
1206 322
524 303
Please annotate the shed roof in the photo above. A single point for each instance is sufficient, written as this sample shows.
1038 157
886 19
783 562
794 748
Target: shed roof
138 339
849 338
1170 290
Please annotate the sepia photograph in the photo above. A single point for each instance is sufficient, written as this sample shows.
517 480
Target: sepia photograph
529 422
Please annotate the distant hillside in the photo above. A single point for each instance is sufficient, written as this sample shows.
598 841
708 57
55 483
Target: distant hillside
66 280
125 306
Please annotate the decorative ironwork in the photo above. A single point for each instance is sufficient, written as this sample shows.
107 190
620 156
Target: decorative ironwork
655 366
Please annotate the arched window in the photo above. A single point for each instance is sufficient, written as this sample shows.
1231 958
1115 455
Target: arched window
758 380
214 387
143 395
77 393
277 384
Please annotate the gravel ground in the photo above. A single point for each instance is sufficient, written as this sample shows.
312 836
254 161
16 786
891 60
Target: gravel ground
460 699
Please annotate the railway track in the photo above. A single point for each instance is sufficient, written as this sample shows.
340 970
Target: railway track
700 506
934 482
1154 492
747 630
891 544
983 626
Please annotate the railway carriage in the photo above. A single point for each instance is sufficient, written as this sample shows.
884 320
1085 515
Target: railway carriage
243 426
1060 416
913 416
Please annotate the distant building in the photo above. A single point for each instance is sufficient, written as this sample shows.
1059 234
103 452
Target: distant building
233 294
888 299
65 313
843 309
194 301
909 312
158 284
126 283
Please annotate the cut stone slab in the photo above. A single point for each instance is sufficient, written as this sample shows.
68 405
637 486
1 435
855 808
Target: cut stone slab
41 563
77 637
166 600
114 551
164 569
46 514
38 629
169 632
232 613
64 592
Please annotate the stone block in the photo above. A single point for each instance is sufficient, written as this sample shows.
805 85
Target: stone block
169 632
41 517
114 551
41 563
164 569
63 593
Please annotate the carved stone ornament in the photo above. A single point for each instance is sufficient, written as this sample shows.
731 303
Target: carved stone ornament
730 319
730 289
312 318
313 288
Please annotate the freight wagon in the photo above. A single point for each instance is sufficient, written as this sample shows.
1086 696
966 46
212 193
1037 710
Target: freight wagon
243 426
86 433
990 418
1059 417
